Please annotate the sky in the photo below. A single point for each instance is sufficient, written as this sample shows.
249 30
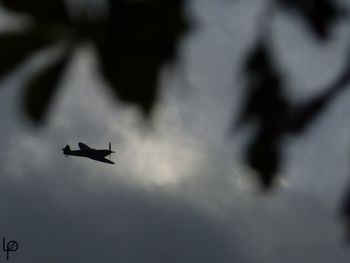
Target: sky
180 191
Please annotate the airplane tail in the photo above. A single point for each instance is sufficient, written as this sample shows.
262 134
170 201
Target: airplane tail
66 150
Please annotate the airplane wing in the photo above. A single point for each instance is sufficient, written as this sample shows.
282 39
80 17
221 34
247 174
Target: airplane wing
83 146
104 160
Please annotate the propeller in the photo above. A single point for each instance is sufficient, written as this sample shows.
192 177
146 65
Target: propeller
110 150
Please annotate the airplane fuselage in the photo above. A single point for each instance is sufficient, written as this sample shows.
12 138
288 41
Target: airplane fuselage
84 153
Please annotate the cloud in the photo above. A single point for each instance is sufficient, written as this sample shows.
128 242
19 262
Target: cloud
57 217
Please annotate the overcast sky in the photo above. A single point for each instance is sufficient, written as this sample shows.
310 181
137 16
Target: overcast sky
179 191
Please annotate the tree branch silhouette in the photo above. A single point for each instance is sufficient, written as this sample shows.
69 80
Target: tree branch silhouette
132 44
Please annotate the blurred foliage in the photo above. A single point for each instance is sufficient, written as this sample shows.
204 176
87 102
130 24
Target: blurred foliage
268 107
346 214
319 15
265 102
42 87
132 44
54 10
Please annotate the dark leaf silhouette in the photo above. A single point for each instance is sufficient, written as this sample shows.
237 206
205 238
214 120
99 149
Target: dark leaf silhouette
40 9
41 89
143 38
16 47
131 71
268 107
304 115
264 157
266 104
319 14
275 116
133 43
346 214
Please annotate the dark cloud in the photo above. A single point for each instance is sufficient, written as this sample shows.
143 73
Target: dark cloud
71 222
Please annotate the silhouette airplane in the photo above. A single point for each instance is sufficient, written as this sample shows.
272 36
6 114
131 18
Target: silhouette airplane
86 151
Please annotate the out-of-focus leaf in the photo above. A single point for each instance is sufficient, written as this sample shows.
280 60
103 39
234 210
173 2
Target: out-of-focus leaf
319 14
145 35
303 115
41 89
264 90
17 46
132 73
152 22
264 157
274 115
346 214
268 107
40 9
